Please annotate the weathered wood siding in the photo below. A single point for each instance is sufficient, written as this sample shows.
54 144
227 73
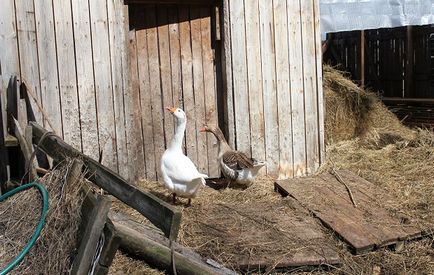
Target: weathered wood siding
274 106
102 73
73 57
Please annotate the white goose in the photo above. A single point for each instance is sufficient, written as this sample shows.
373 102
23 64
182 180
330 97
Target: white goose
179 173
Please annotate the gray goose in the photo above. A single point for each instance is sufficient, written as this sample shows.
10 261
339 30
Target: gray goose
235 165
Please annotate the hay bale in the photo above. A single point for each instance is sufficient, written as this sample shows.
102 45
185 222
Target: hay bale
53 251
352 111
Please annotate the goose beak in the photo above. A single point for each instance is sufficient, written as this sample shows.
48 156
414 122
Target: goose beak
202 130
171 109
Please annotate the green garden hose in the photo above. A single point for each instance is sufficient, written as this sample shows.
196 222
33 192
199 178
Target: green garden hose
44 195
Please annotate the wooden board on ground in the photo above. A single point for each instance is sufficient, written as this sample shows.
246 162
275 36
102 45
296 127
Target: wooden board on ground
261 236
365 227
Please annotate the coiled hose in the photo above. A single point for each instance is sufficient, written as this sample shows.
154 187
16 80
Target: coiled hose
44 195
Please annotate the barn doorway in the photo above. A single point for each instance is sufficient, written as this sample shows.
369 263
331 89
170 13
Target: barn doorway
176 52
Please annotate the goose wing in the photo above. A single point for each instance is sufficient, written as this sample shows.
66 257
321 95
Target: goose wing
237 160
180 169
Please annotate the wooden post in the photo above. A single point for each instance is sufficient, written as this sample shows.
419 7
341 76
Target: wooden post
409 63
160 213
3 151
97 220
362 58
26 149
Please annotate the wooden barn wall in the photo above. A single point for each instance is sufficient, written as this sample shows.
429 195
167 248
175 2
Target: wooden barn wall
273 70
103 83
72 56
396 62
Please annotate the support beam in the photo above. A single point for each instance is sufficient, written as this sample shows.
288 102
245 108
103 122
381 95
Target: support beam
161 214
141 241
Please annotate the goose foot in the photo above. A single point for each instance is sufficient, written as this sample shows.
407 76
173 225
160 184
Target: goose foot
174 198
188 203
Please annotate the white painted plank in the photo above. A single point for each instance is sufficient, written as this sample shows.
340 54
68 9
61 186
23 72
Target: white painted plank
9 61
310 88
229 120
154 76
319 81
85 78
198 85
26 28
145 98
240 88
103 83
133 116
210 92
297 89
165 71
118 24
67 73
47 58
187 82
269 86
256 103
283 95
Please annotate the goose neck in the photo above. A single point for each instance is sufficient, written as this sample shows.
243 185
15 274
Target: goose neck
176 143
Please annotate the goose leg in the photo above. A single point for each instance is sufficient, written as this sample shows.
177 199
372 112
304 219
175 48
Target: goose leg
173 198
189 203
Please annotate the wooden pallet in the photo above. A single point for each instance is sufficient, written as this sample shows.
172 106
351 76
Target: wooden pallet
365 227
267 235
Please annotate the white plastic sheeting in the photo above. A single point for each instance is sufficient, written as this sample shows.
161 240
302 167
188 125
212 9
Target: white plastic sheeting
347 15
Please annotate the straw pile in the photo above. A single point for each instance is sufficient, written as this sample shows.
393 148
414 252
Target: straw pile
20 214
352 111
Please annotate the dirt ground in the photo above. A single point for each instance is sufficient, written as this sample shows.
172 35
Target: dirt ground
361 136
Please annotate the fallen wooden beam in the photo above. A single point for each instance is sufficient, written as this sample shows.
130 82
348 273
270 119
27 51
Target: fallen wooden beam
161 214
143 242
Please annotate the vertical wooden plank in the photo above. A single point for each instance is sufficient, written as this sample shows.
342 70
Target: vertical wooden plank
187 82
283 88
67 73
257 135
175 58
239 67
85 78
198 88
27 42
145 97
103 83
310 93
210 92
409 63
269 87
297 92
47 59
361 49
133 115
117 17
154 76
229 119
9 62
319 81
165 71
